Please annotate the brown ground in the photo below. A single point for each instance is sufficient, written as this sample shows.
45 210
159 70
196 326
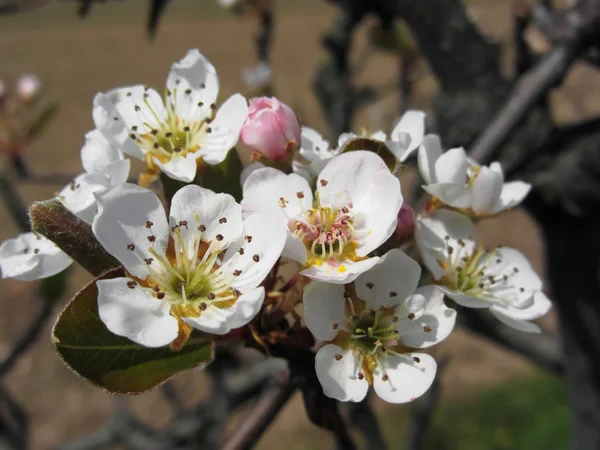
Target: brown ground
76 59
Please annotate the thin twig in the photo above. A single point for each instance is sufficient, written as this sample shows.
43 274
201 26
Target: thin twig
270 403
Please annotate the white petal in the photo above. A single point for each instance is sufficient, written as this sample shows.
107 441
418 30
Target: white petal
263 238
429 153
486 190
354 172
221 321
455 195
408 380
377 212
467 300
339 379
97 152
118 171
539 307
451 167
192 81
31 256
199 206
519 325
123 212
78 196
264 189
135 313
225 130
179 167
379 135
246 171
436 315
314 146
394 278
110 123
339 273
139 107
431 232
294 248
513 193
324 306
412 124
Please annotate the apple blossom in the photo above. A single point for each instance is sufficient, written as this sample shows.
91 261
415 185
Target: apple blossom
104 167
28 86
371 327
271 129
501 279
459 182
31 256
177 278
257 76
315 151
354 211
173 135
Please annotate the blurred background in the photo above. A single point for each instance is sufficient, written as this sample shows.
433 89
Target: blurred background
490 398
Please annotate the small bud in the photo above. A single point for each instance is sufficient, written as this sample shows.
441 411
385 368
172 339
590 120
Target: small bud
271 129
28 86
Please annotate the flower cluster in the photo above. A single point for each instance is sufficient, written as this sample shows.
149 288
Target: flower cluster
209 260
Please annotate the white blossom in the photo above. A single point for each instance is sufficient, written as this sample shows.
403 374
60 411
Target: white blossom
31 256
315 151
459 182
501 279
175 135
354 211
178 278
371 326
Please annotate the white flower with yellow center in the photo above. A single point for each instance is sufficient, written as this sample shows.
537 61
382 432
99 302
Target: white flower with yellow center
371 328
177 275
457 181
315 151
31 256
501 280
174 135
354 212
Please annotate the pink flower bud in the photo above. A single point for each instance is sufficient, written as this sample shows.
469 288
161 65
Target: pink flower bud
271 128
28 86
405 228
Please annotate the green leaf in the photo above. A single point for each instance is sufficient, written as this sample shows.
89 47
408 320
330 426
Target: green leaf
223 177
42 120
72 235
114 363
375 146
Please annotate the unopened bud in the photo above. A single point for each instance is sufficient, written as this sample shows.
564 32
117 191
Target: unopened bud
405 228
271 129
28 86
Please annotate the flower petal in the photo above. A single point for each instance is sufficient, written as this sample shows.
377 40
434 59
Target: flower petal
390 281
194 86
467 300
407 379
519 325
179 167
429 152
139 107
31 256
539 307
224 130
451 167
339 273
314 147
431 325
339 376
455 195
97 152
78 196
135 313
246 171
262 241
486 190
411 125
354 172
513 193
324 309
124 212
220 214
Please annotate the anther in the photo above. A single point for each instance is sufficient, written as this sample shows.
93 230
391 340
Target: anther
223 220
241 251
323 183
211 296
36 250
213 106
248 238
154 132
132 136
186 129
160 295
168 134
450 250
361 375
208 129
156 146
256 258
282 202
337 356
156 289
300 194
393 294
236 292
237 273
148 260
200 104
427 329
219 237
188 91
521 289
130 247
134 128
177 149
149 224
152 238
183 223
131 284
137 108
369 285
203 306
115 119
416 359
201 228
412 316
515 269
385 377
335 326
